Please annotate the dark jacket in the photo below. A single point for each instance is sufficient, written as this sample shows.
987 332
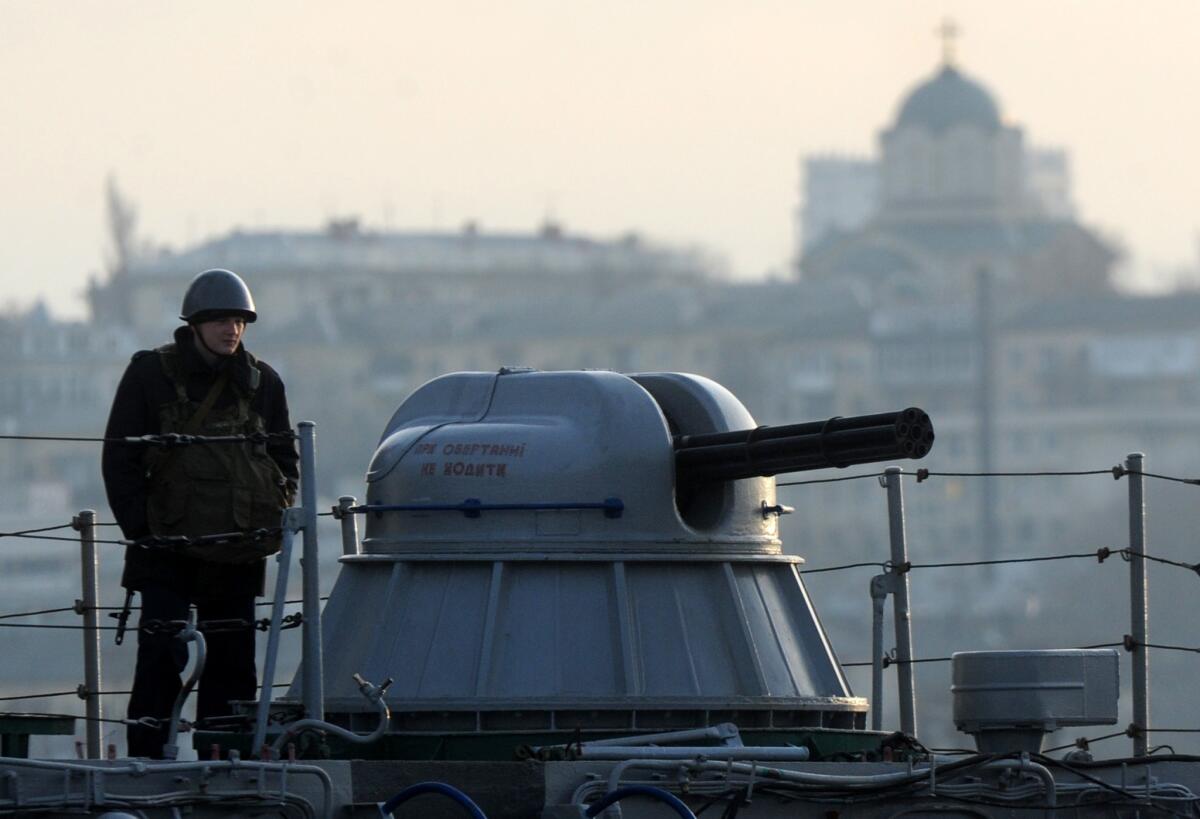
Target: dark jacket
144 389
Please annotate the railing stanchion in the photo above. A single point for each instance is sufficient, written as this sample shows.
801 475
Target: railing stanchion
900 614
314 694
349 524
85 524
879 593
1139 602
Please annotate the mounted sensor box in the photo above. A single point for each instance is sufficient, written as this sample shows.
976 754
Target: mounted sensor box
1009 699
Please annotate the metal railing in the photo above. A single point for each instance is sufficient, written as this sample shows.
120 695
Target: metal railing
894 582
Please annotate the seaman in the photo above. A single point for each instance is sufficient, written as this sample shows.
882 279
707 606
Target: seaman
204 383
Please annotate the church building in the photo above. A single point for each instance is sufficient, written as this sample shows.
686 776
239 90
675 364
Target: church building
956 190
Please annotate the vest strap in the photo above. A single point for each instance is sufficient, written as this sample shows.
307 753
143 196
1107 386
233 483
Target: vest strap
197 420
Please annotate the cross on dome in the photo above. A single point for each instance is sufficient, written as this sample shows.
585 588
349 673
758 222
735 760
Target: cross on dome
948 31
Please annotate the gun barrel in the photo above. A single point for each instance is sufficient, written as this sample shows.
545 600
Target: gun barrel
837 442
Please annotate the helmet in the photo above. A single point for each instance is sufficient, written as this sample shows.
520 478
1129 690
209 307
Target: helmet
216 293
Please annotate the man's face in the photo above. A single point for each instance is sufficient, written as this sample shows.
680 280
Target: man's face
222 335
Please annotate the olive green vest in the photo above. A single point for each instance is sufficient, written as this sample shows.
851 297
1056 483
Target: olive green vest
204 489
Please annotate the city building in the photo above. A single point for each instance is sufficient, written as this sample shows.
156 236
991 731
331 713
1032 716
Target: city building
885 313
837 193
316 278
54 377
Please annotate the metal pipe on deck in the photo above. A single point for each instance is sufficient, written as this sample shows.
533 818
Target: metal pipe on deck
284 561
189 634
760 753
727 732
141 768
375 695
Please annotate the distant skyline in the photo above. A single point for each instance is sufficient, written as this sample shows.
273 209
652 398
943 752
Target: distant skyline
683 121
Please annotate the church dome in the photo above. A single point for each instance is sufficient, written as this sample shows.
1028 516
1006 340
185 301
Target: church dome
947 100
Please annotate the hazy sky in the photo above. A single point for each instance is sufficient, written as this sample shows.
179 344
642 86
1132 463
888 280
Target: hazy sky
683 120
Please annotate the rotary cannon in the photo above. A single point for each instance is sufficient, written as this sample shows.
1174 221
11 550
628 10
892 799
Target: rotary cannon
837 442
557 552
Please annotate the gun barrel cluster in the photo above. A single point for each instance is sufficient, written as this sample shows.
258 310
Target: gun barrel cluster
837 442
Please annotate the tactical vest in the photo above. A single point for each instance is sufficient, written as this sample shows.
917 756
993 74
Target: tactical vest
204 489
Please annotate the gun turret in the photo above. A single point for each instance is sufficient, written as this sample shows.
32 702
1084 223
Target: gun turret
837 442
585 540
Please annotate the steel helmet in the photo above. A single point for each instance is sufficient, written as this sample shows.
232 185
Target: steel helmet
220 293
